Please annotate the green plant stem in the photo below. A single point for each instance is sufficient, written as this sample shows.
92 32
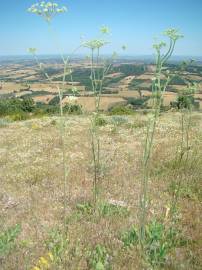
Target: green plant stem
97 77
61 129
158 91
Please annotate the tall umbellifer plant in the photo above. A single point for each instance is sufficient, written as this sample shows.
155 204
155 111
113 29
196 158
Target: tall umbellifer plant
99 69
48 10
159 87
185 104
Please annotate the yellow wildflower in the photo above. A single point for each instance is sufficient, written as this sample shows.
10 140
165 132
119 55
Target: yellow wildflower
43 262
50 255
36 268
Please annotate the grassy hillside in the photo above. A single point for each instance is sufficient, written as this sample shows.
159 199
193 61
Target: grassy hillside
32 193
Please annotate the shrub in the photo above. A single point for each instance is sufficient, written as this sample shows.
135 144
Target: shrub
20 116
100 121
27 104
41 109
72 109
121 110
50 109
54 101
137 102
11 106
185 102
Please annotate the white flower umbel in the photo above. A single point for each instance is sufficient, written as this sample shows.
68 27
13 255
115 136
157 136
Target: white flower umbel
94 44
47 10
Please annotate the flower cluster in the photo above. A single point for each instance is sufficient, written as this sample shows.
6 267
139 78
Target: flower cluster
159 46
47 10
173 34
99 42
32 51
104 30
94 43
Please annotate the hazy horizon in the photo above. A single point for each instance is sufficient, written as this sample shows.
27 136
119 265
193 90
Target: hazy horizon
143 58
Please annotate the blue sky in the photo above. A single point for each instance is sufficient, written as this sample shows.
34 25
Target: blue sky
132 22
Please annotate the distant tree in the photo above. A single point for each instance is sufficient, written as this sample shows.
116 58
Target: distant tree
27 104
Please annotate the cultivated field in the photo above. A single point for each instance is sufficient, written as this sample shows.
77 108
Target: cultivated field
25 79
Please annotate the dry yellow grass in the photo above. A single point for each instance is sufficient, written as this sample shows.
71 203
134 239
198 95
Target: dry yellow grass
31 187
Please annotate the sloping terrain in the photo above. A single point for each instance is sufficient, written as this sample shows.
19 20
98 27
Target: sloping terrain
32 188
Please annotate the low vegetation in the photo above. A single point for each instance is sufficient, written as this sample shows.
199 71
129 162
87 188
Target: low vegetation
104 190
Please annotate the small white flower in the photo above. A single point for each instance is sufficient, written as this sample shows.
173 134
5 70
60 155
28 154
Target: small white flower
72 99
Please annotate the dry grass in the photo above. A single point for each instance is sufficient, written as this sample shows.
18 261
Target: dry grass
31 187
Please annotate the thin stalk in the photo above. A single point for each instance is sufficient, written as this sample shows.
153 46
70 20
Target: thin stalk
187 133
97 79
158 91
62 133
